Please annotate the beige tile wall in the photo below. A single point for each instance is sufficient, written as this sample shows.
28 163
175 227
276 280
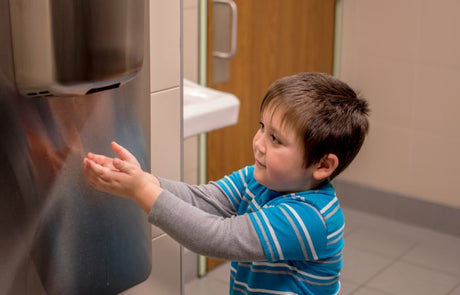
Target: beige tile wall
190 27
404 56
190 59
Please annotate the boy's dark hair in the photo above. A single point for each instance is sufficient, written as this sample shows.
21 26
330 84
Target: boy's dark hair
325 112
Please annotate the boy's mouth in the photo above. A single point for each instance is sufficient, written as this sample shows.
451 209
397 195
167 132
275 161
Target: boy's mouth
259 164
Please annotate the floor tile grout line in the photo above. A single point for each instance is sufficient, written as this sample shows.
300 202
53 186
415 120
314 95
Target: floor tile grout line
384 292
393 262
412 263
437 270
385 255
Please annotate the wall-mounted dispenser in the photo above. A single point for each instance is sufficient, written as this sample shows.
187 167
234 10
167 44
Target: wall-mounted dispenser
75 47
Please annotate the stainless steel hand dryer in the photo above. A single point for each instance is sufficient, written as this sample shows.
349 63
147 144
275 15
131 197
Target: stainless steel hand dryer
58 235
68 47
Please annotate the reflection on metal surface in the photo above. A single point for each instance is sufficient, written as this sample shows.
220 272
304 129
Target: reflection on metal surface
57 234
68 47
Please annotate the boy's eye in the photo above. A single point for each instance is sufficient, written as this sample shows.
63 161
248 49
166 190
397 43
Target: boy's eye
274 139
261 126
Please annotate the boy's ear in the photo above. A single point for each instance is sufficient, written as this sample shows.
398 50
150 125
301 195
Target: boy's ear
325 167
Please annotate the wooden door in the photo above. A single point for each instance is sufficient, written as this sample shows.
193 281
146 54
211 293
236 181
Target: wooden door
275 38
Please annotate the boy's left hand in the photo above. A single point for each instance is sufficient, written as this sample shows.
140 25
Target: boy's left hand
122 177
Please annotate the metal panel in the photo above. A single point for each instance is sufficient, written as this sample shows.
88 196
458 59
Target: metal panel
69 47
57 234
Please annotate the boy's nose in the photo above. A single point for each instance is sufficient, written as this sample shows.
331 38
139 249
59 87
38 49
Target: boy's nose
259 144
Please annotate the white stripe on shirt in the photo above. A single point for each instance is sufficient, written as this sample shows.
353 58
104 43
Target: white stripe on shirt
305 231
299 238
264 234
264 291
336 232
273 235
232 195
334 200
294 269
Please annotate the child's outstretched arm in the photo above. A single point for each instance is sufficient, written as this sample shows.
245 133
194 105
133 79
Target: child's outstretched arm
201 218
122 176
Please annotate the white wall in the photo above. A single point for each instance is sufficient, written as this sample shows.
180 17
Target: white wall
404 55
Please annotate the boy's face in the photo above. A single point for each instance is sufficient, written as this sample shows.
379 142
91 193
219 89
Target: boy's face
279 156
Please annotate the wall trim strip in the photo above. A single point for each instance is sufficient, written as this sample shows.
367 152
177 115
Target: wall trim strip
399 207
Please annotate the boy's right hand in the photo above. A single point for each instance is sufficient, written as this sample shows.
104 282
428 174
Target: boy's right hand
124 154
122 176
121 152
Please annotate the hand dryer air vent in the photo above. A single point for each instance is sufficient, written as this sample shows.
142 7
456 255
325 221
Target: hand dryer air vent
75 47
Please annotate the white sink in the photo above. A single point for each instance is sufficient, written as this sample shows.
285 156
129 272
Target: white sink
207 109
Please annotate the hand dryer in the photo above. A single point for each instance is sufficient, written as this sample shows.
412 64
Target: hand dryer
58 235
68 47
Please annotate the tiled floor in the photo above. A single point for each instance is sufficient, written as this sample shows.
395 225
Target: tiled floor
382 257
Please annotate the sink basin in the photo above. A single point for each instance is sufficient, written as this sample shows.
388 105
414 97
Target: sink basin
207 109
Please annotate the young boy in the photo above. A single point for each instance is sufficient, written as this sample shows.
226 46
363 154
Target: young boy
279 220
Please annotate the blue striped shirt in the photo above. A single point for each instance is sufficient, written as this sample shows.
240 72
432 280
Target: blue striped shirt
301 234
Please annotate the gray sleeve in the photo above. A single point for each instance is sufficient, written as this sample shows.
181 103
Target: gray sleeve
208 197
231 238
